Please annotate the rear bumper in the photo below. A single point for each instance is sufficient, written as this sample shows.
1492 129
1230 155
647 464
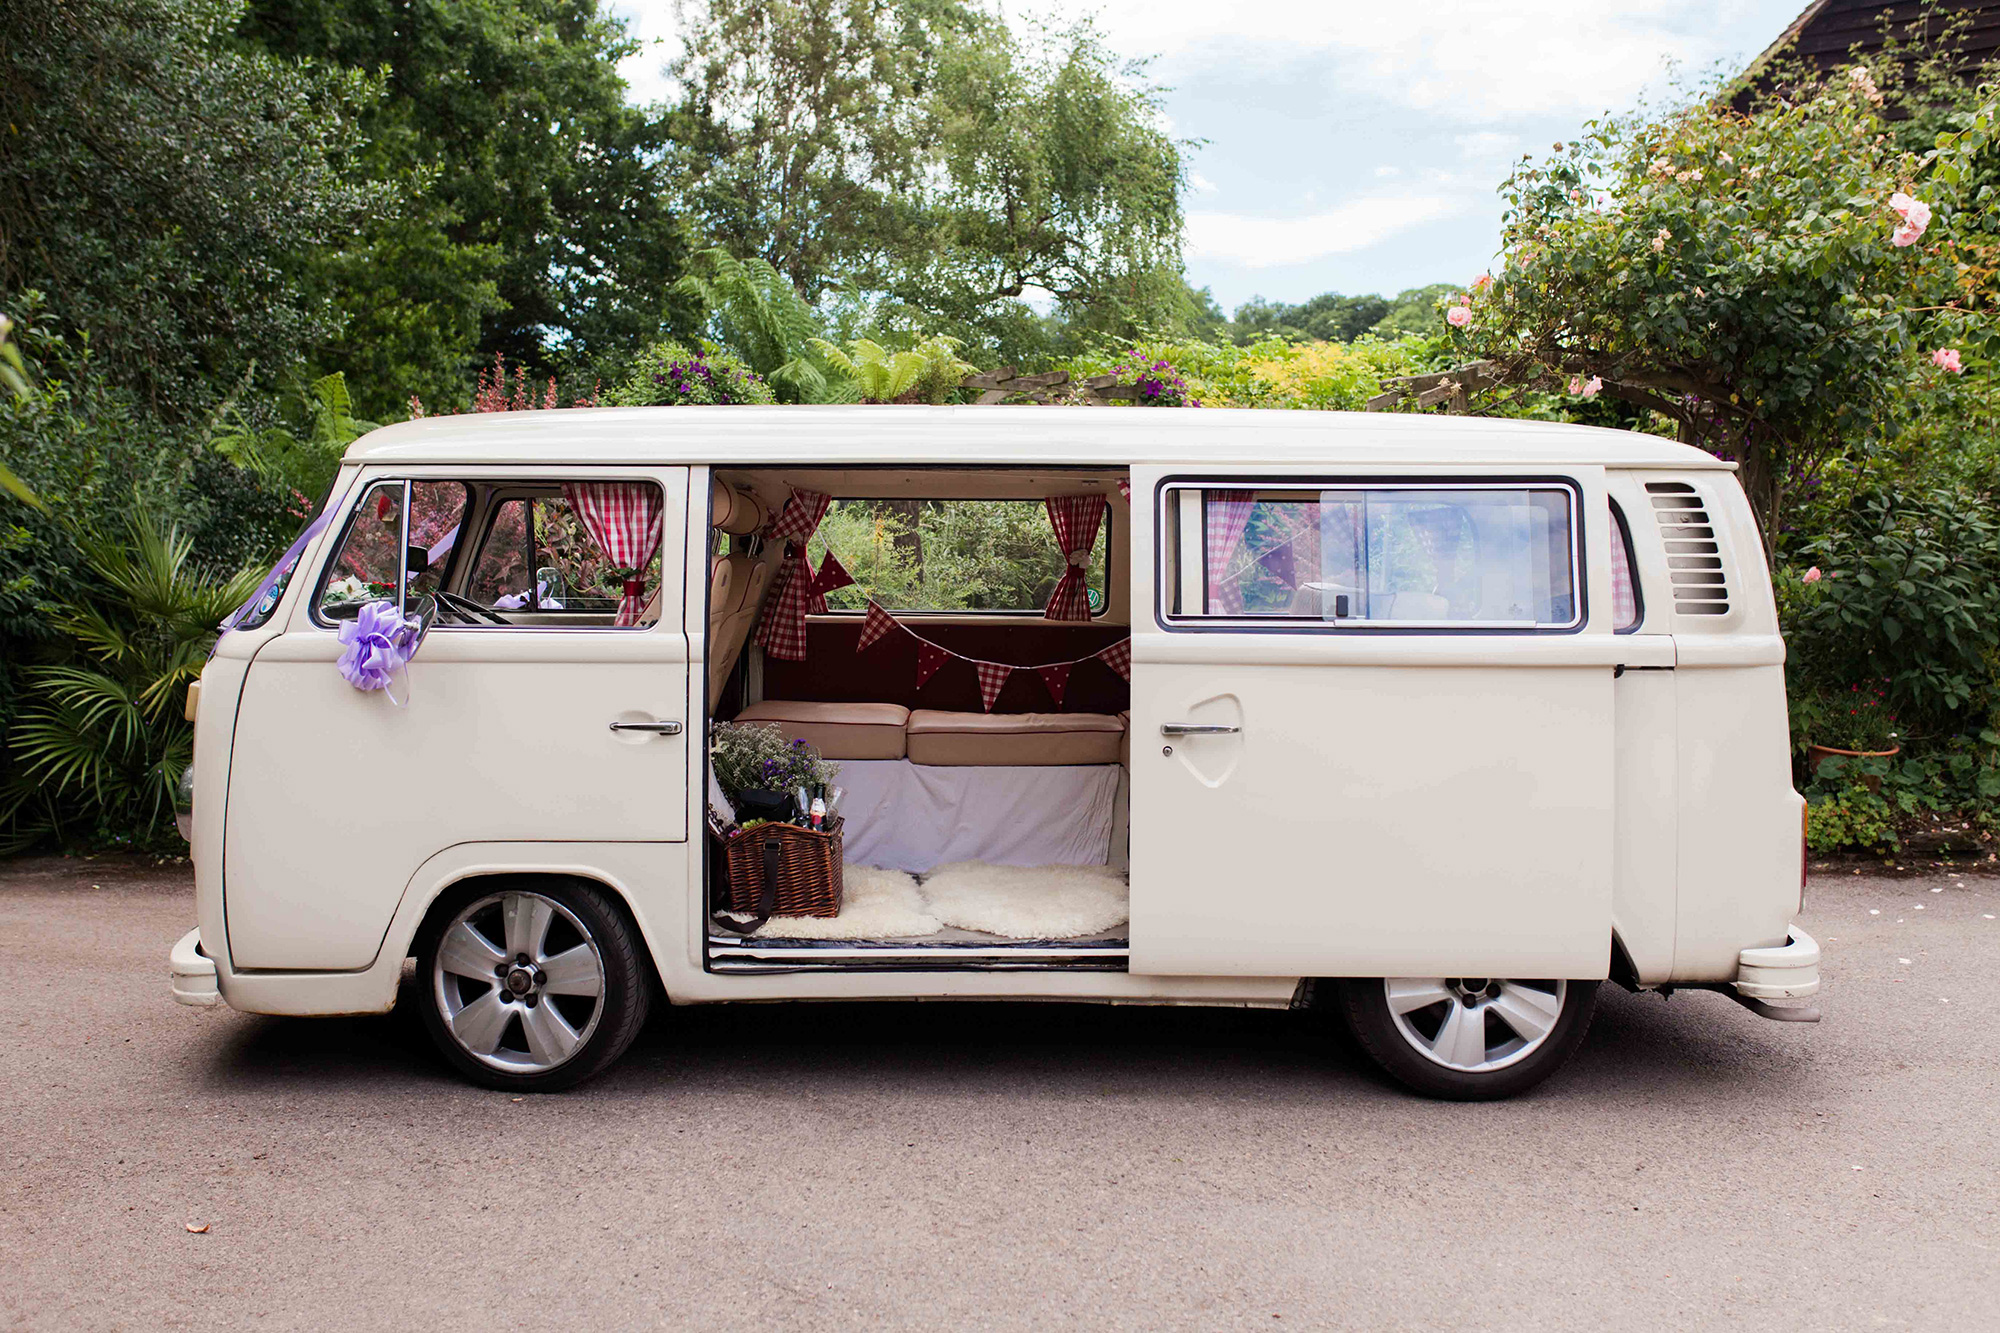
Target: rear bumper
193 972
1788 971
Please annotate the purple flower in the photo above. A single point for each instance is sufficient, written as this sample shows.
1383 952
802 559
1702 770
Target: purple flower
379 643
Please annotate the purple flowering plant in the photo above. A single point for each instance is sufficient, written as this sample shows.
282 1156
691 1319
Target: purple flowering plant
668 374
1158 383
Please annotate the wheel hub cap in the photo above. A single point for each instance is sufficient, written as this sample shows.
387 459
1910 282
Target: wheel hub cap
1474 1024
519 981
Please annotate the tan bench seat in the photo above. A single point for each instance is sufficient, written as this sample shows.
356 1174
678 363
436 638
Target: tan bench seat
837 731
1013 739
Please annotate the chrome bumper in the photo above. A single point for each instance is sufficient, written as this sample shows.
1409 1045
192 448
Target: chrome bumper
193 972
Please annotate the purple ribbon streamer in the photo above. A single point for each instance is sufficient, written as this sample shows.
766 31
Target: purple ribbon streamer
278 571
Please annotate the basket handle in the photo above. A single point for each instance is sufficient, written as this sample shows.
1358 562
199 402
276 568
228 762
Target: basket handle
767 893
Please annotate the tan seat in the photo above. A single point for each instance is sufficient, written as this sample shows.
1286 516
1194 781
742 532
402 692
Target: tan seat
837 731
1013 739
731 619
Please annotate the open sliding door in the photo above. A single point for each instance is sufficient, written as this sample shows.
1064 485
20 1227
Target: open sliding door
1371 723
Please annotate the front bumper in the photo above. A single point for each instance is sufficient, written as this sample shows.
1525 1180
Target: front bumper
193 972
1788 971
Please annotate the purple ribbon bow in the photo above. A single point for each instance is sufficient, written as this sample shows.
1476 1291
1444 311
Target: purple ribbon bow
379 644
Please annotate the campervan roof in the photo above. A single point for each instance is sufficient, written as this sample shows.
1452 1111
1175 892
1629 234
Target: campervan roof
848 436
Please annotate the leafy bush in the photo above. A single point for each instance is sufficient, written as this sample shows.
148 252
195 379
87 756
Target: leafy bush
100 741
1909 594
929 372
1851 817
667 374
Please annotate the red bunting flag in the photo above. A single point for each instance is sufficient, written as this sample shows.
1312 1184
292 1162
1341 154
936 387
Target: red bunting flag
873 626
1125 487
929 658
1119 658
992 675
1056 677
832 574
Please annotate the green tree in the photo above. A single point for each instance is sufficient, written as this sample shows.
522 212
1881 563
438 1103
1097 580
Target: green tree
165 188
1764 281
536 218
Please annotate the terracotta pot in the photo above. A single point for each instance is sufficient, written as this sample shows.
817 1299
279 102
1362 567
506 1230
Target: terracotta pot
1819 754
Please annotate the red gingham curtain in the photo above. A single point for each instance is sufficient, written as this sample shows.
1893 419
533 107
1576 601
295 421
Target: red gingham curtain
783 633
1075 520
1228 514
623 518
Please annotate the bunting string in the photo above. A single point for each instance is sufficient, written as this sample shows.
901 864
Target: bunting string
931 657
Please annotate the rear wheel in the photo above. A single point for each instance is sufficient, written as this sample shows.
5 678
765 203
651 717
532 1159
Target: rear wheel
532 988
1468 1038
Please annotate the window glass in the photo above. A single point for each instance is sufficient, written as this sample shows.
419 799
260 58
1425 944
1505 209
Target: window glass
538 558
1625 610
952 555
1491 557
370 562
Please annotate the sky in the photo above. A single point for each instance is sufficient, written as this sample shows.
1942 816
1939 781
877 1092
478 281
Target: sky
1356 147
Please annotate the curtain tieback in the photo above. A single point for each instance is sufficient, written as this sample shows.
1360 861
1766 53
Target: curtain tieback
1079 559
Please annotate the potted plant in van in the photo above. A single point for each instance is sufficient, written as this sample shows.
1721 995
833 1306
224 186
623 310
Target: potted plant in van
1861 721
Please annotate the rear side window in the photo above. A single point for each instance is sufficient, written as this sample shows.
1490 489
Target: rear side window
1458 556
953 555
1626 608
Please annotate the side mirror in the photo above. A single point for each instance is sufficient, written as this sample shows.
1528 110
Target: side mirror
417 560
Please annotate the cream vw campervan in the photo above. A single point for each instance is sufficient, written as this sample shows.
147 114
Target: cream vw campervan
1436 723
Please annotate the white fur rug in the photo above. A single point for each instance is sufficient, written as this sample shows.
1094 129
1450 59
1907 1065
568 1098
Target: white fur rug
1027 902
874 905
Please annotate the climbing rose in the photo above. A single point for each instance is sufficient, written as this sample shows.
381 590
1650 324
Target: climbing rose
1482 282
1916 215
1812 575
1458 316
1586 388
1946 358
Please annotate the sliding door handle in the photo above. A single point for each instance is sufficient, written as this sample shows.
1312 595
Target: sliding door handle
657 728
1199 729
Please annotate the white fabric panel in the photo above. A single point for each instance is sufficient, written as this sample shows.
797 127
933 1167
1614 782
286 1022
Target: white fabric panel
915 817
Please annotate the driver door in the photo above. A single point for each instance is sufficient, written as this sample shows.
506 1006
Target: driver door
503 734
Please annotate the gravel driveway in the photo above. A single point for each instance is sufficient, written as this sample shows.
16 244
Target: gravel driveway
998 1165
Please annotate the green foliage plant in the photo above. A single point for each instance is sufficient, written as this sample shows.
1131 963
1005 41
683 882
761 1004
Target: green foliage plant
755 311
669 374
99 742
1760 279
302 454
929 372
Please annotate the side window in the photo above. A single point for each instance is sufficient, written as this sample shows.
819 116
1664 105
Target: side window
588 553
1415 557
372 558
1626 608
953 555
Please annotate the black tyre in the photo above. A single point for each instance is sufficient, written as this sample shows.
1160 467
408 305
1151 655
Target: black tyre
532 985
1467 1038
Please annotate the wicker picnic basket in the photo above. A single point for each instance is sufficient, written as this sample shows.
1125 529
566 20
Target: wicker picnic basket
785 870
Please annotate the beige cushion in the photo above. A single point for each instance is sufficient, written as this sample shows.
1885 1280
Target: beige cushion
837 731
1013 739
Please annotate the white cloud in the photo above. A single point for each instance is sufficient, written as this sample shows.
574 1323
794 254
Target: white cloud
1465 60
1266 242
1201 184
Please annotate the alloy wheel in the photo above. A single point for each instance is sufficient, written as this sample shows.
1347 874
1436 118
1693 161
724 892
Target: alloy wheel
1474 1024
519 982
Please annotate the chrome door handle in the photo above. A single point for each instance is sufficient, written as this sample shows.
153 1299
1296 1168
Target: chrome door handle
1199 729
657 728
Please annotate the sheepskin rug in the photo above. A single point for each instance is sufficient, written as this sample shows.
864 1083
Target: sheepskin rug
875 904
1027 902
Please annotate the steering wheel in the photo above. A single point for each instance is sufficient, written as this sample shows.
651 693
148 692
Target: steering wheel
468 608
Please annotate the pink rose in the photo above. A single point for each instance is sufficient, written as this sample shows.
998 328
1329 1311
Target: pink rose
1593 386
1946 358
1916 216
1458 316
1482 282
1812 575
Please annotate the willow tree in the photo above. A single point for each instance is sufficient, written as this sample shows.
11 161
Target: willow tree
1769 282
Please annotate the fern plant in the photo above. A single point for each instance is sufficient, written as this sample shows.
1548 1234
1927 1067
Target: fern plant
304 460
100 741
757 312
928 372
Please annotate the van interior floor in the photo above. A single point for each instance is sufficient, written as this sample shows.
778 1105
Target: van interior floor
968 914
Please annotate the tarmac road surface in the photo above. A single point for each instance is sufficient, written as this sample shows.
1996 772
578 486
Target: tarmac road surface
997 1166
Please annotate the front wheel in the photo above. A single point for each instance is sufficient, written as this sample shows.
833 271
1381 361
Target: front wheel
532 988
1467 1038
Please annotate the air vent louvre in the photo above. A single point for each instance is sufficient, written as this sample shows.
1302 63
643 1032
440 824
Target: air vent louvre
1694 560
